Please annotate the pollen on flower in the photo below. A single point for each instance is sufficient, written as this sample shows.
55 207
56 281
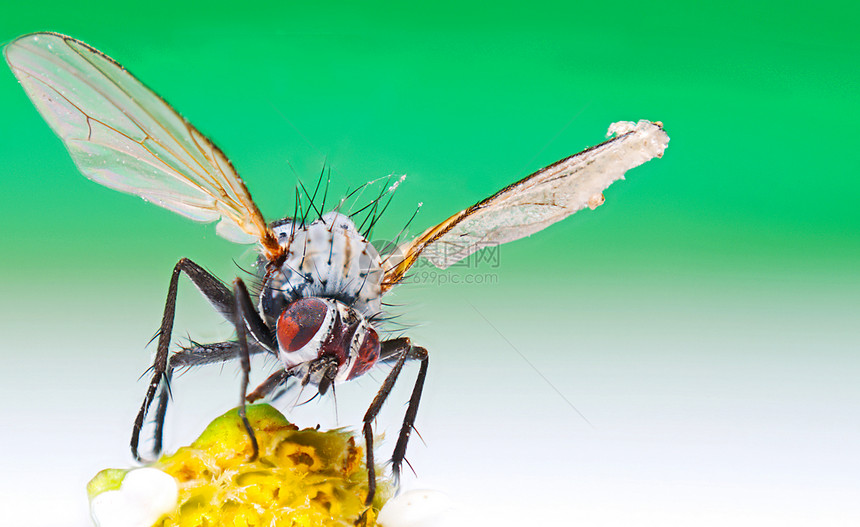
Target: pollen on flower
300 478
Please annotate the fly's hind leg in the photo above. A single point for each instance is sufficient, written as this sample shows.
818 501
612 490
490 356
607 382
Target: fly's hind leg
398 351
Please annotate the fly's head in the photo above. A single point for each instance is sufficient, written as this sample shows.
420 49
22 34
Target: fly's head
326 340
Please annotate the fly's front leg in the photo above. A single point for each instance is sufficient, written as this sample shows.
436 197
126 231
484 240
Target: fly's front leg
222 300
248 320
218 294
399 350
269 386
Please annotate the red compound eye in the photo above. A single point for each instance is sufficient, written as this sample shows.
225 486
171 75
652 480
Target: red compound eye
298 324
368 354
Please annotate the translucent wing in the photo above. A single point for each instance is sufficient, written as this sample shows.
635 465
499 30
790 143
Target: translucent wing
124 136
535 202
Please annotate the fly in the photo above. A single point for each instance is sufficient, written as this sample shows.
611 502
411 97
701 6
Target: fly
322 282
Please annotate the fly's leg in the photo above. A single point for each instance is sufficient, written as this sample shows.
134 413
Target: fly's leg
399 455
224 302
218 294
247 319
197 355
401 350
269 385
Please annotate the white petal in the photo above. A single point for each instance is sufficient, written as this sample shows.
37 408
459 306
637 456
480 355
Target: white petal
145 496
417 508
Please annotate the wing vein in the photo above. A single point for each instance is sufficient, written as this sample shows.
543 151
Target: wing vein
124 136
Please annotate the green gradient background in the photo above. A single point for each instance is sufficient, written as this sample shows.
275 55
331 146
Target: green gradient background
705 320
